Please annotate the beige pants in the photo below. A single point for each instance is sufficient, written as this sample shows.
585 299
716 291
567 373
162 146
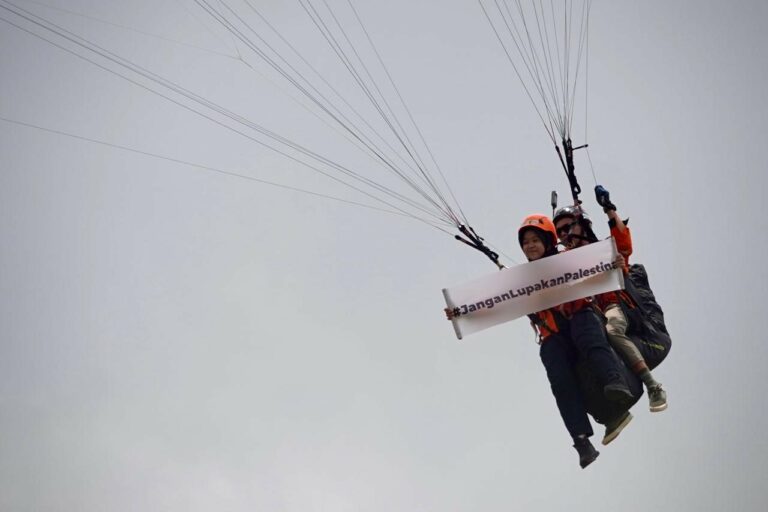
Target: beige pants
617 336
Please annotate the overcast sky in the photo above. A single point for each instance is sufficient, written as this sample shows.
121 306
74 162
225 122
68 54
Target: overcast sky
176 339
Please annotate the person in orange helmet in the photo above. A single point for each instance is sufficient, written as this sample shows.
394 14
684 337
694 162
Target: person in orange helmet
575 230
560 348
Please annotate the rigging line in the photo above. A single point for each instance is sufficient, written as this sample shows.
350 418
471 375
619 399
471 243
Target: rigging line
410 114
591 166
566 95
547 128
410 148
202 101
586 101
105 54
534 57
408 111
320 24
312 112
499 251
582 38
555 30
422 167
586 86
227 24
209 29
357 77
325 121
200 166
546 47
583 43
387 115
566 56
337 115
231 38
528 60
553 100
546 51
327 84
129 29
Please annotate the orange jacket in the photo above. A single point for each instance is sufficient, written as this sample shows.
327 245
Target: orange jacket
624 246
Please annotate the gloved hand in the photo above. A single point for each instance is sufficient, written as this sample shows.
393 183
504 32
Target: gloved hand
604 199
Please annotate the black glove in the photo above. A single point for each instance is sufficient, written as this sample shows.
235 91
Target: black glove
604 199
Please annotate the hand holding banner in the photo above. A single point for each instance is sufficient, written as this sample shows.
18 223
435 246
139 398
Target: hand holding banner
535 286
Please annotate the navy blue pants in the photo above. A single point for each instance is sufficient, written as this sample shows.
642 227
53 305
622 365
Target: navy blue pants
559 356
589 338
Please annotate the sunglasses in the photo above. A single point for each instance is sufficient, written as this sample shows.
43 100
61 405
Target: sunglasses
565 228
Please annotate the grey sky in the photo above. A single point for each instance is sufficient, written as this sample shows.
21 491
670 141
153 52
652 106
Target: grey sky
175 339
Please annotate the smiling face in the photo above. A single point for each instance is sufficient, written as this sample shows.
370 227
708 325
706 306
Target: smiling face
567 227
532 245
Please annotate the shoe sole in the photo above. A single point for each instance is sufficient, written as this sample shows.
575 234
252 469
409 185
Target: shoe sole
613 435
659 408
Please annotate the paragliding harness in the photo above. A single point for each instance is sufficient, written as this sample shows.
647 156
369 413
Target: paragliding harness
537 323
646 318
561 322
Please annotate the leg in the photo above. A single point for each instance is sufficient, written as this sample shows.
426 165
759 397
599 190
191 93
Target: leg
616 328
588 335
558 357
617 335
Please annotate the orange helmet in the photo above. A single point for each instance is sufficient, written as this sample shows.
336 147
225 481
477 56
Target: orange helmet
541 223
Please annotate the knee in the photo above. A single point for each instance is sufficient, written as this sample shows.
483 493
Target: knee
615 327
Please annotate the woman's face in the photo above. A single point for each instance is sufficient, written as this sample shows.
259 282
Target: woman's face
532 246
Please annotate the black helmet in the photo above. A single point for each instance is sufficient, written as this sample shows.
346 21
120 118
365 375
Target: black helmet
579 215
577 212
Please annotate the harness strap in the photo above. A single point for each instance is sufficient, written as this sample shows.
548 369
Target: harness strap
477 242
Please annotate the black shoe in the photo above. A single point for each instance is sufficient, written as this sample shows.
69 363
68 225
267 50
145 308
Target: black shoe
587 452
618 392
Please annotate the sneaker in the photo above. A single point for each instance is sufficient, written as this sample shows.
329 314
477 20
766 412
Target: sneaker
614 428
587 452
617 392
657 398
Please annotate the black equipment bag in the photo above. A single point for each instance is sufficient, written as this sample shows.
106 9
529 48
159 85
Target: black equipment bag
646 321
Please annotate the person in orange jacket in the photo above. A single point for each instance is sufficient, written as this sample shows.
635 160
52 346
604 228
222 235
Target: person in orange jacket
565 332
575 230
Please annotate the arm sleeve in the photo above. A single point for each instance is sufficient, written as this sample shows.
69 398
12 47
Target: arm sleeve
623 241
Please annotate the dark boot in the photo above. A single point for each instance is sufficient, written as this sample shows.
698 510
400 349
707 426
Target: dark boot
587 452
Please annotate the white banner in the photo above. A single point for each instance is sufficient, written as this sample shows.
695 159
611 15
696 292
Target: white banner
535 286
